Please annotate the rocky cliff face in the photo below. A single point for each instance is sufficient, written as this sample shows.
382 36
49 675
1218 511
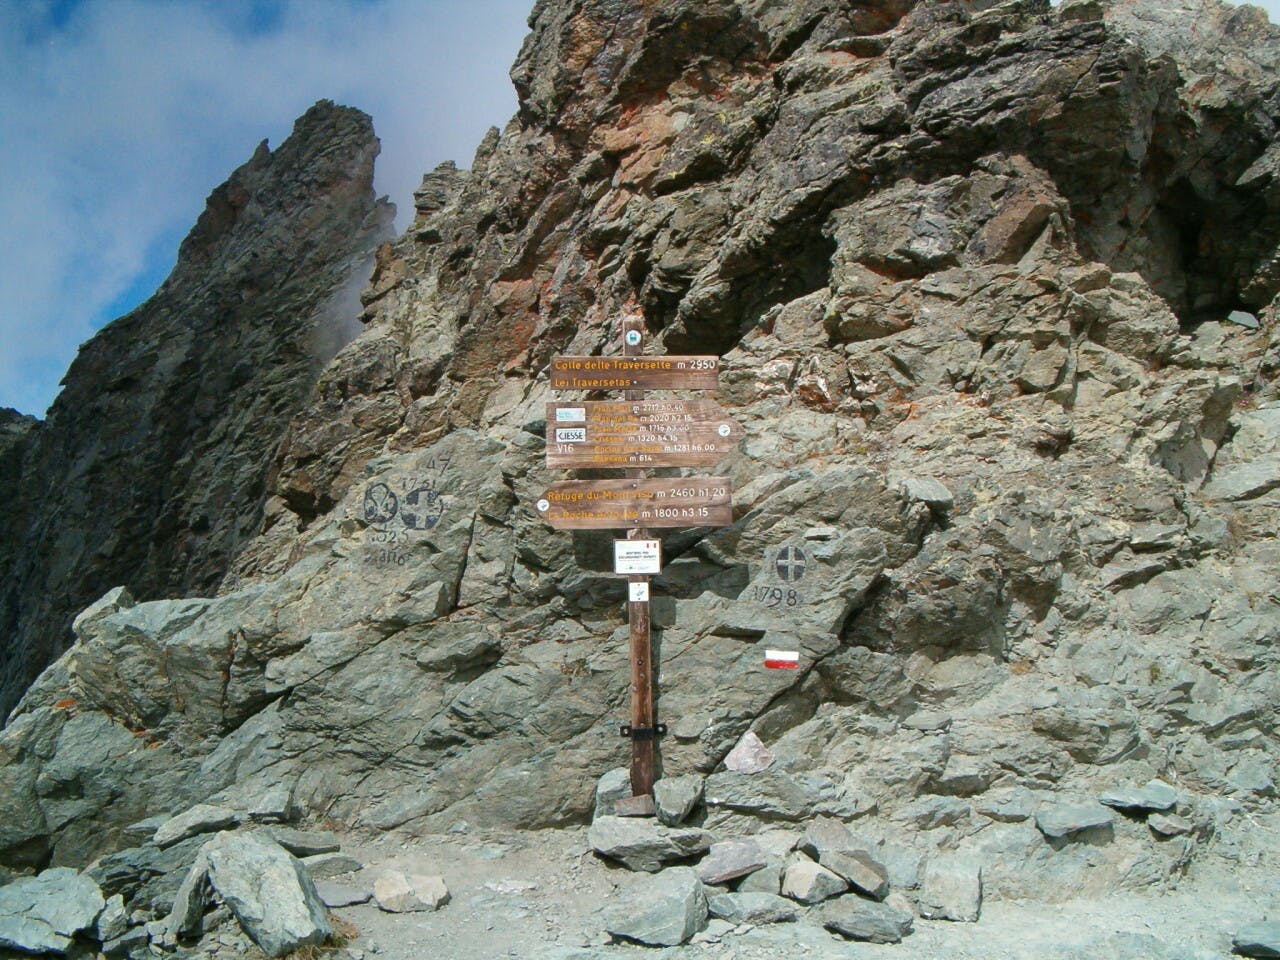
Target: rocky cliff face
970 269
151 468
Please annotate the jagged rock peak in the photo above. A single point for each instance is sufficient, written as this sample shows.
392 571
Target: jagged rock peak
151 467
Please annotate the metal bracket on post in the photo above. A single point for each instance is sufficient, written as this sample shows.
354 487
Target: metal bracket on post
643 733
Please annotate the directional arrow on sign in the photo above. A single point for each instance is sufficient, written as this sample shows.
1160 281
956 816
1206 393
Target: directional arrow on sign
639 433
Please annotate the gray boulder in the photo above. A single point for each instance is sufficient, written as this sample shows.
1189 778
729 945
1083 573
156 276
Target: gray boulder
661 911
269 892
644 844
676 798
951 890
1261 939
858 919
754 908
41 914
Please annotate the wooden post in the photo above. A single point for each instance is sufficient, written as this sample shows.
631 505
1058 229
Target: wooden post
643 747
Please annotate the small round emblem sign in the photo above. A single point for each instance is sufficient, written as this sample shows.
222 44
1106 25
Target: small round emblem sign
543 506
723 430
633 338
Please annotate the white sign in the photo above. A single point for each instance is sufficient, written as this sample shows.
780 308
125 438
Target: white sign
639 592
571 435
637 556
571 414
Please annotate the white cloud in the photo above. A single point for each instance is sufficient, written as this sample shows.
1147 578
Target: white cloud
117 122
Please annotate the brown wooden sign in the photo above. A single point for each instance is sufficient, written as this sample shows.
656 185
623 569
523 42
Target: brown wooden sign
635 373
624 504
639 433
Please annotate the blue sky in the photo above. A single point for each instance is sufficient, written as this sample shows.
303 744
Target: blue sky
118 117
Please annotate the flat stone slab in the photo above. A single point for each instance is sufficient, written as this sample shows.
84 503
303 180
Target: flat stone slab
858 919
730 859
645 845
1261 939
397 892
662 911
304 843
1065 819
1154 795
341 895
325 865
41 914
202 818
641 806
753 908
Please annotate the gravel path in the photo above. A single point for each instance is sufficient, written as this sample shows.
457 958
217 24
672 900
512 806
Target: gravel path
541 895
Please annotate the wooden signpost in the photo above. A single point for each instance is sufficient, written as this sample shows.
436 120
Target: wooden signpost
633 434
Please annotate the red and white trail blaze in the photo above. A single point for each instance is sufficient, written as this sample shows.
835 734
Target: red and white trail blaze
782 659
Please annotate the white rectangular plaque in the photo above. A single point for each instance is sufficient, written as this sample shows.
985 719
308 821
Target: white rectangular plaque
571 435
639 592
637 556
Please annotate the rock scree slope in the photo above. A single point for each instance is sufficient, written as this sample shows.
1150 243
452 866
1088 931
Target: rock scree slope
972 270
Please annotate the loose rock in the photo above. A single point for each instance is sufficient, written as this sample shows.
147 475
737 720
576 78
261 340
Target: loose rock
1155 795
676 798
864 873
808 882
755 908
1170 824
859 919
41 914
662 911
269 891
202 818
396 892
730 859
611 788
340 895
325 865
644 844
